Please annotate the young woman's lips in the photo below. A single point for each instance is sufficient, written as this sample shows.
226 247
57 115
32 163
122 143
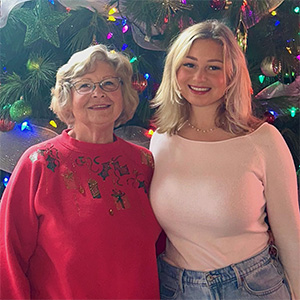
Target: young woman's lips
198 89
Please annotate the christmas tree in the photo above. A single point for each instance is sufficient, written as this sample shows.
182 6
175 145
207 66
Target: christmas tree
38 36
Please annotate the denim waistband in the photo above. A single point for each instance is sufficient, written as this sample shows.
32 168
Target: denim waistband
219 275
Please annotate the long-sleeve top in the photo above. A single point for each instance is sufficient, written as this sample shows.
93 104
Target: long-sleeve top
211 199
76 223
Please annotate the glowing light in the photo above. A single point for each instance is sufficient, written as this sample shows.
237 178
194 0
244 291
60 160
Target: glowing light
272 112
32 65
289 50
25 126
166 19
111 19
133 59
274 13
293 111
124 47
147 76
53 124
5 180
183 1
298 57
109 35
124 21
125 28
261 78
112 11
297 9
277 23
149 133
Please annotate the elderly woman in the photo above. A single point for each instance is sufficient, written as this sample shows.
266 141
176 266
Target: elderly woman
76 222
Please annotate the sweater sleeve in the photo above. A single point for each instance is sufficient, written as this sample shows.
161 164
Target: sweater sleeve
282 204
18 230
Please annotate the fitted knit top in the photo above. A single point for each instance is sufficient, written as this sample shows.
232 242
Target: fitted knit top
76 223
211 198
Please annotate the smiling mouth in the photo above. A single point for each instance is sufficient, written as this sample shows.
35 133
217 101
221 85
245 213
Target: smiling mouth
199 89
100 106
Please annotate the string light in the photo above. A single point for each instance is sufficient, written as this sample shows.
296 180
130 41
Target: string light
133 59
124 47
5 180
125 28
112 11
53 123
111 19
149 133
293 111
261 78
25 126
109 35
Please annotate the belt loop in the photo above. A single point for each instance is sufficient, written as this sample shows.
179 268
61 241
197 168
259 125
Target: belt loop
180 279
237 274
273 251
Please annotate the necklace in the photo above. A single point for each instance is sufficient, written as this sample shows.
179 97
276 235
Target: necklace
201 130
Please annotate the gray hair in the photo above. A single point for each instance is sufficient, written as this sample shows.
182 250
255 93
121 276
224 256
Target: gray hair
82 62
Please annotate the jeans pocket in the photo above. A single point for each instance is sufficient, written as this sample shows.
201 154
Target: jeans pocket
266 280
168 286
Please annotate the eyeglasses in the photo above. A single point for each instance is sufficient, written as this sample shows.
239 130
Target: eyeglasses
86 86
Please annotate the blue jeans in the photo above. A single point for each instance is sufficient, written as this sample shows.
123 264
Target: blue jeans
259 277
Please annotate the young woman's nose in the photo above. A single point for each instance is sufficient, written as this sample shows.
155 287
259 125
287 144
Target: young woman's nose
200 74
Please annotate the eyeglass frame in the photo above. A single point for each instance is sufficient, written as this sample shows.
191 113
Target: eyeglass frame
99 84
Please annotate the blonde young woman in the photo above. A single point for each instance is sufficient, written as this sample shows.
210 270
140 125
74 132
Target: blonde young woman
76 221
220 174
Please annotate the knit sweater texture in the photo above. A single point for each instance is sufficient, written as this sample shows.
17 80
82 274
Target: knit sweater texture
76 223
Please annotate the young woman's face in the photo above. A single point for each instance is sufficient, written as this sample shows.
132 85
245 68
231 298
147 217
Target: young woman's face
201 76
98 107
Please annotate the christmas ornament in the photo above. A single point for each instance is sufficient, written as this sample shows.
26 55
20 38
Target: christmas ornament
139 83
41 23
270 66
20 110
254 10
6 125
217 4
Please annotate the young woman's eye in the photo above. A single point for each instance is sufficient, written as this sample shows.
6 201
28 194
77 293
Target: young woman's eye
214 68
189 65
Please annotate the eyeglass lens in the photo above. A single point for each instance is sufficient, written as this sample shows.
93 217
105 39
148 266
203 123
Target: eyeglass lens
87 86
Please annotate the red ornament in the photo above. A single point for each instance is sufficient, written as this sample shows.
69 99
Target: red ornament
139 82
268 117
6 125
217 4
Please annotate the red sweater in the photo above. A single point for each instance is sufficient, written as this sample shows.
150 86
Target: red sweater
76 223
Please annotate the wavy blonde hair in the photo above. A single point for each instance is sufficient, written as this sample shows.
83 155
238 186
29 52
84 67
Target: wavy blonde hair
81 63
235 112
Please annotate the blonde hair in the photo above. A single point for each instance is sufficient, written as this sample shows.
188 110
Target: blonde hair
79 64
235 112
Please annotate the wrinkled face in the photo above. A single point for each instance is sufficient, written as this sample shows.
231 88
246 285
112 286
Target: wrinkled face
98 107
201 75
